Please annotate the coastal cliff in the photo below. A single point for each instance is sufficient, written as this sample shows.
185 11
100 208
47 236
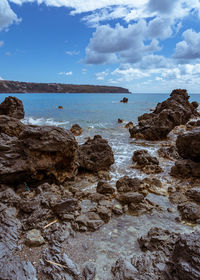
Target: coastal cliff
23 87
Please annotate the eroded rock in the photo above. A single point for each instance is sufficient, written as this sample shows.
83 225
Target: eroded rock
12 107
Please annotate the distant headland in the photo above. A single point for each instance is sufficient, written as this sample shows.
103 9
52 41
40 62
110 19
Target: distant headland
24 87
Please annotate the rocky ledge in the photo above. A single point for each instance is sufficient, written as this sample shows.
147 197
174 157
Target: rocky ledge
23 87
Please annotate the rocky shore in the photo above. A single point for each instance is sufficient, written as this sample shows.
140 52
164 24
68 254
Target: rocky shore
61 213
23 87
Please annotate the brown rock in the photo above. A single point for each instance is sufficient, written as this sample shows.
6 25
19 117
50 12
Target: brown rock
124 100
76 129
146 162
95 155
104 188
12 107
174 111
131 197
120 121
127 184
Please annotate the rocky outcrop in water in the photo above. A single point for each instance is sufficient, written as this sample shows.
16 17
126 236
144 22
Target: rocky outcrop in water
188 146
76 129
147 163
174 111
12 107
22 87
95 155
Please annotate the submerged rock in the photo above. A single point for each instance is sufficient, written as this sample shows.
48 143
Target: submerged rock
95 155
174 111
12 107
124 100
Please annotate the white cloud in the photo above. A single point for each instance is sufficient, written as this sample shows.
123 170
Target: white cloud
72 53
65 73
7 16
101 75
1 43
190 47
1 79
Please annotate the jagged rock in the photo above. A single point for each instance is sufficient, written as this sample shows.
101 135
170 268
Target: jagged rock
66 206
10 126
169 153
190 211
194 194
186 257
76 129
95 155
146 162
129 125
105 188
66 268
89 271
188 145
131 197
127 184
174 111
153 185
38 153
104 213
9 197
124 270
193 124
120 121
12 107
34 238
186 169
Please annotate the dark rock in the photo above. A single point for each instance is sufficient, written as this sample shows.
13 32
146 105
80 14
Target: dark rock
146 162
186 257
188 145
34 238
195 104
105 188
95 155
193 124
38 153
129 125
169 153
124 270
104 213
12 107
66 206
131 197
124 100
65 269
194 194
9 197
174 111
60 107
120 121
127 184
89 271
10 126
186 169
14 269
190 211
76 129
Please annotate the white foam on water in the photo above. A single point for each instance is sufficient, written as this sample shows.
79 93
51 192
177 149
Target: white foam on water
43 121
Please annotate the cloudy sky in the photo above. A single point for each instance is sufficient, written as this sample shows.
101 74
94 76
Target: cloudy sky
144 45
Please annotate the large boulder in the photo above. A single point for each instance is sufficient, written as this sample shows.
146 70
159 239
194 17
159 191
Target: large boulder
146 162
12 107
174 111
37 153
186 257
95 155
188 145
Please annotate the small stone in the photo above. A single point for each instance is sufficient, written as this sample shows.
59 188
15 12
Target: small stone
34 238
105 188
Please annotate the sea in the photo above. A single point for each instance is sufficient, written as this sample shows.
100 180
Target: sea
98 114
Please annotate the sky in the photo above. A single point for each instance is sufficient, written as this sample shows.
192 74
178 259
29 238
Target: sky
147 46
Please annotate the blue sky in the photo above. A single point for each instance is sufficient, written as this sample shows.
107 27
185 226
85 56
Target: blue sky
146 45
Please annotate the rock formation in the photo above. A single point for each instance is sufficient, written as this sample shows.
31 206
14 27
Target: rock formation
12 107
174 111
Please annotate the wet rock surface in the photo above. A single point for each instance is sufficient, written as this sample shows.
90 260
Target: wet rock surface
37 153
76 129
95 155
146 162
174 111
12 107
